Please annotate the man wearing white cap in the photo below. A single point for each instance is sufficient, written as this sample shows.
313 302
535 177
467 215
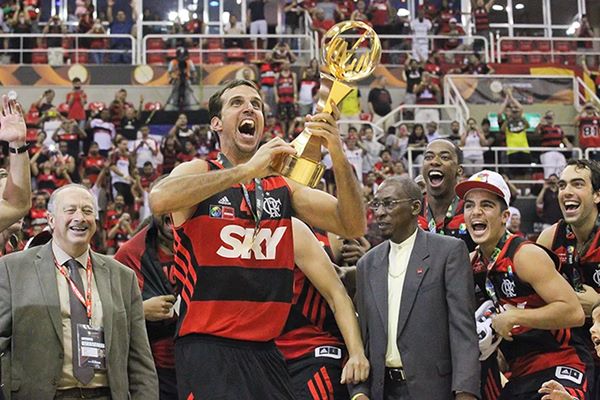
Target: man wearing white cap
535 305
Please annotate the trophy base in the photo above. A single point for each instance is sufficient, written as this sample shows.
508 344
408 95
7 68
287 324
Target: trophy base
302 170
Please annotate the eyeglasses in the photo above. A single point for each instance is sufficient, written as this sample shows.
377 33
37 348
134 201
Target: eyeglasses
388 205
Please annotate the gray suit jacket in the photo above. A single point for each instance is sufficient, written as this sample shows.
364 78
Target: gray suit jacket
31 328
437 338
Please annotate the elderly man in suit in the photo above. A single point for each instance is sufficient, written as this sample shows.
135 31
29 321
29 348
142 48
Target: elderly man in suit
416 304
71 320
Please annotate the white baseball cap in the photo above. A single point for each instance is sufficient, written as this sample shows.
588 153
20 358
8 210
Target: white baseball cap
486 180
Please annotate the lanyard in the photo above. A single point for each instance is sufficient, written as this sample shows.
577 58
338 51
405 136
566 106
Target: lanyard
258 194
489 286
87 302
449 215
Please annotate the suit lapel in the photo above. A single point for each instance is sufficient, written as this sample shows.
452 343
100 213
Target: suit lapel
415 272
379 283
46 273
103 283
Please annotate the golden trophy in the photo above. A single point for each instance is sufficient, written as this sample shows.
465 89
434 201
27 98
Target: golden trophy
348 58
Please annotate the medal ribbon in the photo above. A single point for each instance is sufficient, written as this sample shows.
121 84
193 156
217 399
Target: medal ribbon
449 215
259 195
489 286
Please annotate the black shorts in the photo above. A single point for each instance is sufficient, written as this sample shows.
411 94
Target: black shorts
213 368
286 111
491 383
519 158
526 387
317 378
167 383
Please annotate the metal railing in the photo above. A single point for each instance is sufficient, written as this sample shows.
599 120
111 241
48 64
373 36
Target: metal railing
499 165
397 115
584 94
358 123
553 49
71 43
200 55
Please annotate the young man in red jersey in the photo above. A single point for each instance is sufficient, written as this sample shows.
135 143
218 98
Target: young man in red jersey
575 240
535 307
233 240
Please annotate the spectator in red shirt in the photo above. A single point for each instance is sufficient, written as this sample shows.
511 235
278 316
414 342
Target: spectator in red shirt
382 13
320 24
77 99
92 164
148 176
70 133
453 44
188 154
169 149
121 232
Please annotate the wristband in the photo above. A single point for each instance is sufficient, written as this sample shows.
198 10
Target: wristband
19 150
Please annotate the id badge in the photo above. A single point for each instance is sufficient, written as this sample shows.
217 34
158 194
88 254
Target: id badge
91 347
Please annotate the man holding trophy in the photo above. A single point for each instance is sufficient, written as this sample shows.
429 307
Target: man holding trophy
234 248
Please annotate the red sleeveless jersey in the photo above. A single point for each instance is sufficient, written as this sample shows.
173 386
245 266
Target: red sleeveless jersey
311 322
589 132
231 284
285 88
532 350
482 19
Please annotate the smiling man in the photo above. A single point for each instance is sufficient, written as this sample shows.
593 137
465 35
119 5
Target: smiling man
71 320
575 240
442 211
234 246
535 305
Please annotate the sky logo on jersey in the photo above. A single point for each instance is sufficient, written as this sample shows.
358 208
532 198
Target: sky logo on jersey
240 242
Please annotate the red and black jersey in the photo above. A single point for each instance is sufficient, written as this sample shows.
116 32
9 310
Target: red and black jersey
589 132
311 323
453 224
532 350
72 140
552 135
285 88
47 182
92 166
154 271
267 75
234 282
564 245
38 216
146 181
482 19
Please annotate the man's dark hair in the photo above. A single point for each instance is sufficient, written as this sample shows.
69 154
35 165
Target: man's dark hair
457 150
384 151
485 121
148 163
594 168
215 104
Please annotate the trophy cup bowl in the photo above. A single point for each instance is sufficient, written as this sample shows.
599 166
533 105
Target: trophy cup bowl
348 60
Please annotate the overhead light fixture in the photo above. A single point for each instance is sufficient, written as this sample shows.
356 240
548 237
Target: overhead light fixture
403 12
172 15
519 6
214 3
498 7
574 26
225 17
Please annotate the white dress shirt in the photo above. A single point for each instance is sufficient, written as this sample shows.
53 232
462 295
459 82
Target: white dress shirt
398 262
